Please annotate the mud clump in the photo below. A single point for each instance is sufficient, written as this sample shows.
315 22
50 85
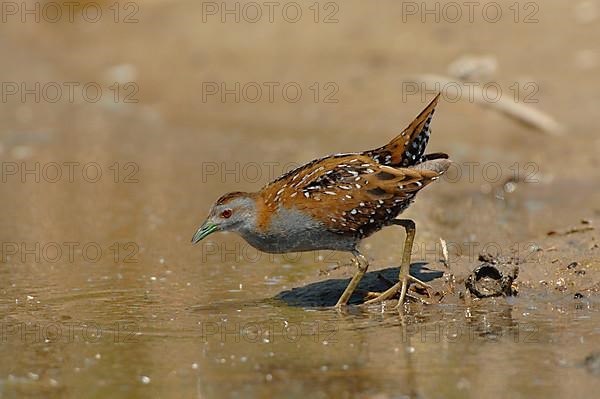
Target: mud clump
494 277
592 363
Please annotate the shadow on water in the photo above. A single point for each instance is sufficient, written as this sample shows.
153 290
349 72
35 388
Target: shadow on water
326 293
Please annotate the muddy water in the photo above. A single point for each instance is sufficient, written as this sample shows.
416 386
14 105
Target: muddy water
151 329
101 294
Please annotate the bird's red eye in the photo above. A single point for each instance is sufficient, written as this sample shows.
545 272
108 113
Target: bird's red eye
226 213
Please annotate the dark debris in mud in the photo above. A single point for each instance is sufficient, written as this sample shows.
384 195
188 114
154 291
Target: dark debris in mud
592 363
492 278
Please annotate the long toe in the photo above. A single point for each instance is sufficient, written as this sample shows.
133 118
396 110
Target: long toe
369 296
421 283
385 295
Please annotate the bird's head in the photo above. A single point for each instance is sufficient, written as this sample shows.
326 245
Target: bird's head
231 212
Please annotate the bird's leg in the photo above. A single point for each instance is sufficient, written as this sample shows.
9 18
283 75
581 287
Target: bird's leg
404 276
363 265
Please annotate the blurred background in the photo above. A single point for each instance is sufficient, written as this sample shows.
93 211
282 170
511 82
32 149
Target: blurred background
121 123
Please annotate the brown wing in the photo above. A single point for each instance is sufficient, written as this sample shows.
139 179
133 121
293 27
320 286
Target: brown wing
351 193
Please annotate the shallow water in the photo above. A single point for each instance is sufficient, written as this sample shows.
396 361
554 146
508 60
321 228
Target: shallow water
130 333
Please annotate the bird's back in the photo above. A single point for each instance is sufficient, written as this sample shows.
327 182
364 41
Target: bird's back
353 195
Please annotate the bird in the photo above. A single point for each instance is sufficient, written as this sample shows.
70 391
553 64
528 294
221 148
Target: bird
334 202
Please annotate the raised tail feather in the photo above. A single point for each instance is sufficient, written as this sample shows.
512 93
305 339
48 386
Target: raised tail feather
408 148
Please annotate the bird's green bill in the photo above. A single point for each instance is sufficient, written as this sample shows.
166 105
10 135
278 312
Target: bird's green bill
206 229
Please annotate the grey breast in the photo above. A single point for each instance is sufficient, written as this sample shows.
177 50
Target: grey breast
293 231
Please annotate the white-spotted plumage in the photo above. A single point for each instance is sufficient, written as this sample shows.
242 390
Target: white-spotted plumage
343 199
357 193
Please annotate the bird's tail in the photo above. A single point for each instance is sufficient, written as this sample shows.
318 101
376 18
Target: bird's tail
408 148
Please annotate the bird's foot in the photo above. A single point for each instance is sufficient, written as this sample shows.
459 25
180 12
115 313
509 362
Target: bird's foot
340 308
401 288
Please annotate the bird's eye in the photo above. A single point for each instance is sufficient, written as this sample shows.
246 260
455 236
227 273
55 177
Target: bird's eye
226 214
